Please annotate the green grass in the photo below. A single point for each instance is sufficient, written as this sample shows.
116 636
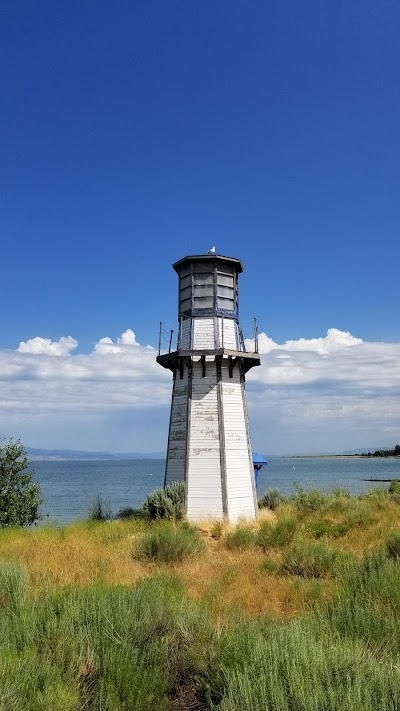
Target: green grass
331 644
100 647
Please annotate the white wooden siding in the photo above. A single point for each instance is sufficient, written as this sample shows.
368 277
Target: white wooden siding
239 469
204 489
203 333
176 457
227 334
186 327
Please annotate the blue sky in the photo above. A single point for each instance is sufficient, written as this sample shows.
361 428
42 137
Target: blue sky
134 134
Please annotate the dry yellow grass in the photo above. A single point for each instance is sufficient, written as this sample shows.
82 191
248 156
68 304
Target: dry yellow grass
80 554
227 580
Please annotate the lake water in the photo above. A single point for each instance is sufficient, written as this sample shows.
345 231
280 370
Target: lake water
68 487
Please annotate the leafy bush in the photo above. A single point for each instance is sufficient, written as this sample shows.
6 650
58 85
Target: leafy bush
169 543
240 538
166 503
100 509
19 494
272 499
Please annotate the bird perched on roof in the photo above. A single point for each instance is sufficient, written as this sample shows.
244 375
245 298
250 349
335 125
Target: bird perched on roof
211 251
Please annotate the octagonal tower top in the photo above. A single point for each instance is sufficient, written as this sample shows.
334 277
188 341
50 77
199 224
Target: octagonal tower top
208 285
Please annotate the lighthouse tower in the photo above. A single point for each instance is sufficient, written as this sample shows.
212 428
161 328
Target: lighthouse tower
209 444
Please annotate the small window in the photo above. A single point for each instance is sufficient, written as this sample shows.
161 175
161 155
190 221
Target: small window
228 304
226 291
185 281
224 280
203 290
185 305
185 293
203 302
203 278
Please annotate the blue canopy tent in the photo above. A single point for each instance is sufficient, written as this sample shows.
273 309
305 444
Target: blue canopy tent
258 462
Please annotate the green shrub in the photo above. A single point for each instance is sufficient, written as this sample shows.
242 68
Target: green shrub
322 527
129 513
376 493
283 532
240 538
103 647
168 542
272 499
19 493
310 560
217 529
277 536
359 517
394 491
394 487
300 666
309 501
100 509
393 545
166 503
263 535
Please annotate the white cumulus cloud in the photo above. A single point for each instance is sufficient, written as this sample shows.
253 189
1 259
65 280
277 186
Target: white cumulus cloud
40 345
328 393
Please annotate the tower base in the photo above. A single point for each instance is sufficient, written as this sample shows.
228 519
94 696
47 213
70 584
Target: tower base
209 444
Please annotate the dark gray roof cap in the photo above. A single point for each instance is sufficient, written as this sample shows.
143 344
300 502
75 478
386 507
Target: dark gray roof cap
208 258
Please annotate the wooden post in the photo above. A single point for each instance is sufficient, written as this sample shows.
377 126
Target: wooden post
180 333
170 340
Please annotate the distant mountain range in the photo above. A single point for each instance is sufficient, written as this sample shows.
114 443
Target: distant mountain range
80 455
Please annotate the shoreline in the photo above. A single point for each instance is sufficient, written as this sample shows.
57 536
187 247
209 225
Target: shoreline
335 456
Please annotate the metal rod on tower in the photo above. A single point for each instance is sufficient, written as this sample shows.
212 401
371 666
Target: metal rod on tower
170 340
255 335
242 339
159 339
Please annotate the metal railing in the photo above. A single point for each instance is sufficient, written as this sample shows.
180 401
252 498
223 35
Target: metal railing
167 343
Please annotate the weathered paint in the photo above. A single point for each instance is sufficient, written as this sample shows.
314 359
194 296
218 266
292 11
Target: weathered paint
203 333
227 334
176 455
185 334
204 492
239 473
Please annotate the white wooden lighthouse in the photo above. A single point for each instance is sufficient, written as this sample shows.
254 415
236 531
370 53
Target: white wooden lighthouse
209 444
